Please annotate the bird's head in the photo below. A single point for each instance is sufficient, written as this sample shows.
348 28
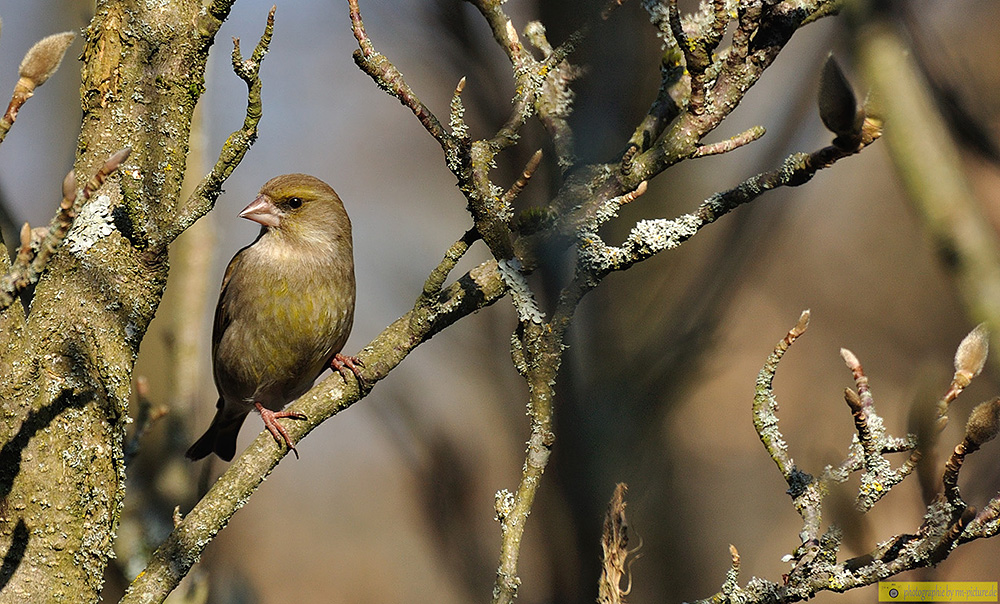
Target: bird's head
299 204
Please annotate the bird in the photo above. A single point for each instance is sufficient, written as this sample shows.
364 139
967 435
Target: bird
285 310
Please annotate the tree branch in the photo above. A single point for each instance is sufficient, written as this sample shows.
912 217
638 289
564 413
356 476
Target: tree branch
948 521
928 163
239 142
650 237
67 379
590 197
477 289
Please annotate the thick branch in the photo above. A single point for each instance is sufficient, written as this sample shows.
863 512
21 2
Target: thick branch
67 382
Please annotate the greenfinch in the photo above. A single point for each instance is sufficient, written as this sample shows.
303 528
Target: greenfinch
285 310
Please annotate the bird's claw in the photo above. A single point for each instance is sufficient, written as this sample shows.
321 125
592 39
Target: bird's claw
342 363
278 431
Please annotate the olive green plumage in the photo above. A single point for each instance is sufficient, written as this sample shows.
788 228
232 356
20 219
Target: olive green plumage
286 306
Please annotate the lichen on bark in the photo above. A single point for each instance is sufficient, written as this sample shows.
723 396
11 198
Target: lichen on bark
67 364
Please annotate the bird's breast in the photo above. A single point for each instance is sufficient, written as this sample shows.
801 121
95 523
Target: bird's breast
287 317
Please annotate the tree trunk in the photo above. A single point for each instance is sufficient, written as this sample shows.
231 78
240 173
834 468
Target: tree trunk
65 369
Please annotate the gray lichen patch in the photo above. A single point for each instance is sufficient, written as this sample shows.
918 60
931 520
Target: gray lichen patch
93 224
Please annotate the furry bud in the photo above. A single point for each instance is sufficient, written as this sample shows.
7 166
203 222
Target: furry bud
44 58
984 422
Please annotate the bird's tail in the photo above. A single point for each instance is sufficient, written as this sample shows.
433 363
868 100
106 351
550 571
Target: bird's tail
220 438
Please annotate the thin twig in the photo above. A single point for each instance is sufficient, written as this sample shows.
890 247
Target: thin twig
878 476
239 142
388 78
435 281
765 408
526 174
744 138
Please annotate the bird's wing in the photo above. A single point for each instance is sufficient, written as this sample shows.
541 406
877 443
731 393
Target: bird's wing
222 309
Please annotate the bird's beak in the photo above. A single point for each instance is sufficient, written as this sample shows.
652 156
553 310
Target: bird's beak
263 211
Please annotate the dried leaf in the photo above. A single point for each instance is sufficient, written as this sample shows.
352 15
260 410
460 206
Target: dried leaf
614 543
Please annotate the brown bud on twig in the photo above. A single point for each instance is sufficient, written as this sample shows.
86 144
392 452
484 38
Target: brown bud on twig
802 324
116 160
853 400
41 62
529 170
984 422
69 185
44 58
25 235
838 107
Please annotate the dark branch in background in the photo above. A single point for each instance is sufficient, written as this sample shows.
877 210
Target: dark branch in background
946 79
239 142
928 162
948 520
145 416
33 256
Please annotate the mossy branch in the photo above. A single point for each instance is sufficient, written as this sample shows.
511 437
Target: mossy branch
948 520
239 142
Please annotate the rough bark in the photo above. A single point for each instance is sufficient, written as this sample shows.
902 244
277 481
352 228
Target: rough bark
67 366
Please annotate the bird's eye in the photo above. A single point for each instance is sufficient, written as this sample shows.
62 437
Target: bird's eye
295 202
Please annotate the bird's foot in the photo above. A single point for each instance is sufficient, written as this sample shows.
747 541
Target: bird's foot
342 363
277 430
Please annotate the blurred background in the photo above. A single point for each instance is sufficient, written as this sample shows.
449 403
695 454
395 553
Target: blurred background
392 500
